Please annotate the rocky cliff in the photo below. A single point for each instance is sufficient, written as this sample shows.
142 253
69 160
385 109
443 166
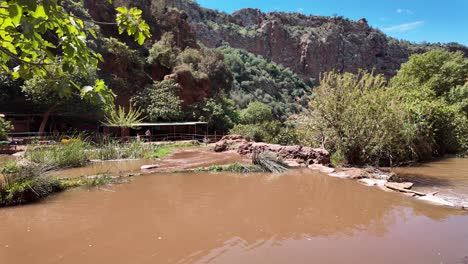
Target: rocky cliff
308 45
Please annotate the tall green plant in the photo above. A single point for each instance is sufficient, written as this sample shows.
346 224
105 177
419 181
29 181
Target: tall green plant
124 119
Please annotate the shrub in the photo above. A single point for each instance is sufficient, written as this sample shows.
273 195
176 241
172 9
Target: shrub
5 127
272 132
255 113
357 116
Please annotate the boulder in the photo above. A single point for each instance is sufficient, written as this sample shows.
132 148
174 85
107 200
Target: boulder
301 154
229 142
221 146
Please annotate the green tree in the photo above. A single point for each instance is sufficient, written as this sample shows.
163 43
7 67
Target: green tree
434 86
36 35
57 89
221 114
438 71
256 113
160 101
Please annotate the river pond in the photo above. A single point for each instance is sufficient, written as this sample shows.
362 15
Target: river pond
446 177
182 159
298 217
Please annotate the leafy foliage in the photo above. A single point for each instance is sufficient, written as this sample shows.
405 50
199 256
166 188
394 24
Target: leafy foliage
164 51
257 124
434 85
5 127
256 113
122 118
256 79
357 116
437 71
160 101
221 114
40 34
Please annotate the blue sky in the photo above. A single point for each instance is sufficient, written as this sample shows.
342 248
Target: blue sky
413 20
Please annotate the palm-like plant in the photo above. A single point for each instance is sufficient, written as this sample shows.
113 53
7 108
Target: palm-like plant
123 119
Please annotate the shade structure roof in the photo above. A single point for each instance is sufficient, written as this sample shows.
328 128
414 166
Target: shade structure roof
161 124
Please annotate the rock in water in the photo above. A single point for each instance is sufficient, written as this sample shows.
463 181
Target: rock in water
399 185
149 167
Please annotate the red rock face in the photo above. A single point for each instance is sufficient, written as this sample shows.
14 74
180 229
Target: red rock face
300 154
309 45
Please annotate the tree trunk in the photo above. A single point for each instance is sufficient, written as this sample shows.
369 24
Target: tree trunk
45 118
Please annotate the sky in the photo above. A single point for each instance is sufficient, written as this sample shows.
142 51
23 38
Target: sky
413 20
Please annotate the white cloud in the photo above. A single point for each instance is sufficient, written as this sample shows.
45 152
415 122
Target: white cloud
300 9
404 27
405 11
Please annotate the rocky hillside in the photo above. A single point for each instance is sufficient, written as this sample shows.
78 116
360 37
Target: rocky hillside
308 45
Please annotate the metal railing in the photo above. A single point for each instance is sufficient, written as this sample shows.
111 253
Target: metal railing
34 137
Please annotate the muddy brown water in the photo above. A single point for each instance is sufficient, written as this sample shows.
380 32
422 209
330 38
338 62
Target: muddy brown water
179 160
447 177
298 217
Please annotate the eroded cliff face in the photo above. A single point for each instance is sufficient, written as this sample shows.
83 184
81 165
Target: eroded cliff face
308 45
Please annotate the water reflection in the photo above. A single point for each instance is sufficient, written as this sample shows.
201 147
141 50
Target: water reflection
223 218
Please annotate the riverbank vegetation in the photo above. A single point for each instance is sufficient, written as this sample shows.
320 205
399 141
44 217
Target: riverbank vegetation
22 183
5 127
78 152
419 114
362 118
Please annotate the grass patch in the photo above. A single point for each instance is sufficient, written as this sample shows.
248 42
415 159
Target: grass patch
161 152
72 154
112 150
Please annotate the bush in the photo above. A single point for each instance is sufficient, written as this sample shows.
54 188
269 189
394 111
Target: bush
255 113
272 132
357 116
5 127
